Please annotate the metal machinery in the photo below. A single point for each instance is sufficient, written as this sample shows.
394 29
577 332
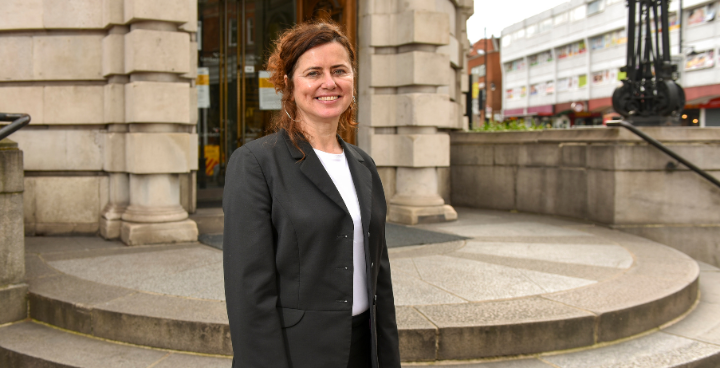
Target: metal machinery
649 94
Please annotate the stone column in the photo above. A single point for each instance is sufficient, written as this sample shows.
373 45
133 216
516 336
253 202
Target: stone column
160 142
13 290
410 92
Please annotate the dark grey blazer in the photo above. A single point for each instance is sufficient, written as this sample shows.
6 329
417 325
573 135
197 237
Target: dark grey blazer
287 256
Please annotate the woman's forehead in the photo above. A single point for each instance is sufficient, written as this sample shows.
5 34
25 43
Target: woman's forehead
331 52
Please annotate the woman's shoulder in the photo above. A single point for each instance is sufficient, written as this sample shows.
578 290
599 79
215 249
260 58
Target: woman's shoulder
261 146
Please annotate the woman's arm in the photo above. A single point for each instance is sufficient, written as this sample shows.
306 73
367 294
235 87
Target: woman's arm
387 333
249 266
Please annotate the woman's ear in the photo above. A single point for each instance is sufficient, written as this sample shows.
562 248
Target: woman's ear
285 79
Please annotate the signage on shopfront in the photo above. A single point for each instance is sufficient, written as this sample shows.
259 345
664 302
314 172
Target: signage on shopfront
269 99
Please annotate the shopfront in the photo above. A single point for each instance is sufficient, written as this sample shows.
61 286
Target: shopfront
236 103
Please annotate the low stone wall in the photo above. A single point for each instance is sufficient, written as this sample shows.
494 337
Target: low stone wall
606 175
13 290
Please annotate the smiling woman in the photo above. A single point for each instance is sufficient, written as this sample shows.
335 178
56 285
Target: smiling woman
307 275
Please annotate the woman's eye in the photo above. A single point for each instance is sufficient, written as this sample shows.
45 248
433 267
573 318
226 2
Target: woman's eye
340 71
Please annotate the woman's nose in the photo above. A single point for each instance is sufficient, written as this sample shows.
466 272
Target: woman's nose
328 81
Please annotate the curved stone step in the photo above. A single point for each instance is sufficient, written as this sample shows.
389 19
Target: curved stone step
29 344
692 342
659 285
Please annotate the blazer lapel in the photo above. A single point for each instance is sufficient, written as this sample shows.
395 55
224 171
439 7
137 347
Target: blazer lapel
363 183
314 170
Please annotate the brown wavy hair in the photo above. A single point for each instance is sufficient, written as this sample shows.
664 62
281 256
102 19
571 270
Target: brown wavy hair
288 48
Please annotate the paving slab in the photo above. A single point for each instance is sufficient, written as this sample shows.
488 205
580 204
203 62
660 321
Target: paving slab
613 256
48 244
586 272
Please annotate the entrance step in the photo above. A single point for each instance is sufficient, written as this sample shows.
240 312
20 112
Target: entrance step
30 344
209 220
691 342
458 300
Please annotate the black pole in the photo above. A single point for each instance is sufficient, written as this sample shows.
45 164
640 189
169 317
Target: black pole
18 121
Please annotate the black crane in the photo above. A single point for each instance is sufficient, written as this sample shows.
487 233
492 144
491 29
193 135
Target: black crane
649 94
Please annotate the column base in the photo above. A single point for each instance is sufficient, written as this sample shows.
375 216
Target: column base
110 229
132 233
13 303
411 215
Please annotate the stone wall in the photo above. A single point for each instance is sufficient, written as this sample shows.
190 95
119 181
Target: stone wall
13 290
411 93
110 88
606 175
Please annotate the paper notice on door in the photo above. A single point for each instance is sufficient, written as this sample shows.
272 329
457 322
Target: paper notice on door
269 100
203 87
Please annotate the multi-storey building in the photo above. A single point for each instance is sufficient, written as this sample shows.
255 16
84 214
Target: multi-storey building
562 65
486 80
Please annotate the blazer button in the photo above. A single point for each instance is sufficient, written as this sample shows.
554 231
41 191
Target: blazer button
372 264
368 234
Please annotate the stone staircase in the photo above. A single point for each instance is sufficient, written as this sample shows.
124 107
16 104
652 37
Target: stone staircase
660 310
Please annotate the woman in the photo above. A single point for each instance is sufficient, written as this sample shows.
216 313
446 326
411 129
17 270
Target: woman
307 276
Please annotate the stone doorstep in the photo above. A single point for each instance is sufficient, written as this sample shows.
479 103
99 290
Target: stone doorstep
558 321
683 344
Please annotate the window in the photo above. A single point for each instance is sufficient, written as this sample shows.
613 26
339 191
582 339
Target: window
572 83
478 71
506 40
515 65
518 34
560 18
540 58
577 13
701 15
531 30
542 89
570 50
700 60
609 39
595 7
609 76
545 25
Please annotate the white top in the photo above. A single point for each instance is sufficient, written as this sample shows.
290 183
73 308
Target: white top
337 167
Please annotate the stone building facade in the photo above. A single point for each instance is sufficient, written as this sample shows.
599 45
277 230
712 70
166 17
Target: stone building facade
111 87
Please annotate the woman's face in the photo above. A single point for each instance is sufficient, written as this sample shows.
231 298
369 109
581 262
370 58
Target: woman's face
323 84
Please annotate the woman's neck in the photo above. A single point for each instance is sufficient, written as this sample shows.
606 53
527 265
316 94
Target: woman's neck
323 137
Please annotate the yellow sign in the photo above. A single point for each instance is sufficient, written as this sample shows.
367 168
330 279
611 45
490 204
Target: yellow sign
212 158
202 80
475 90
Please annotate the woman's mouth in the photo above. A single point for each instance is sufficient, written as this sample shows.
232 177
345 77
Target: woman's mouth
328 98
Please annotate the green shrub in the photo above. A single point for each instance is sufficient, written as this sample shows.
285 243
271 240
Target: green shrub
508 125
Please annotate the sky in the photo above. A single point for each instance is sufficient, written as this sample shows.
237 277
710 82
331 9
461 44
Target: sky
498 14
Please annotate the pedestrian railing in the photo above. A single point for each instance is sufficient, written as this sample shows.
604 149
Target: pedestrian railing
664 148
18 121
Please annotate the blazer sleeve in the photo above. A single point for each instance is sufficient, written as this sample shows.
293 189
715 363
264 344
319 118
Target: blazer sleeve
249 266
387 334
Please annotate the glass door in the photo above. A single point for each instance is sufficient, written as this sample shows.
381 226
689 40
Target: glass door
236 102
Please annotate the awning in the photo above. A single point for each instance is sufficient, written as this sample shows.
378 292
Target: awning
545 110
514 112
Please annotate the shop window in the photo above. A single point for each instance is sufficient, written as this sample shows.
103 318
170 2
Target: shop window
516 93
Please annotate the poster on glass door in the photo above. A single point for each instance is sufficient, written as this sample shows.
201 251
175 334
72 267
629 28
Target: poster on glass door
269 100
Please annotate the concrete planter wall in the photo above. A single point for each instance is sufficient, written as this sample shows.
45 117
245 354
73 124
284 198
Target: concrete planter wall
606 175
